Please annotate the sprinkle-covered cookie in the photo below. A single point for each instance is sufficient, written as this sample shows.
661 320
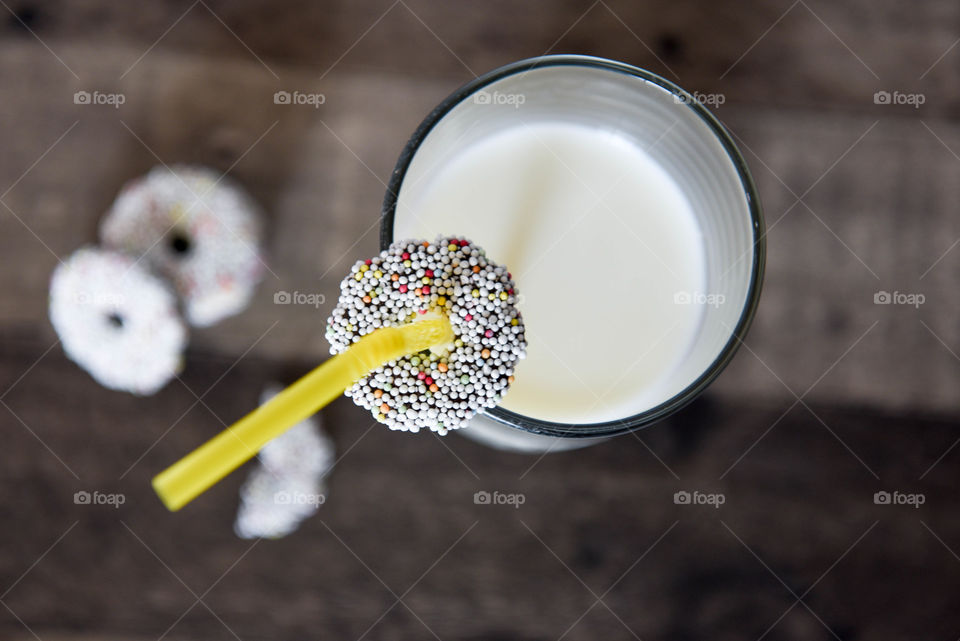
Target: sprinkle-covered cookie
117 320
197 228
439 389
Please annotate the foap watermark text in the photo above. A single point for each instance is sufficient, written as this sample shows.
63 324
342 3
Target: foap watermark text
99 98
899 98
706 99
299 298
898 298
714 499
84 497
298 498
299 98
499 498
899 498
699 298
497 98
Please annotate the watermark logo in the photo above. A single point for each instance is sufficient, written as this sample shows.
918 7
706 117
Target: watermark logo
698 298
84 497
898 298
298 298
499 498
705 99
899 98
99 98
497 98
299 498
99 299
299 98
696 497
899 498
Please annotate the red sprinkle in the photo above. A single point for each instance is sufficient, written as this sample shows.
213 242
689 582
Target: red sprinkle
426 289
368 262
423 311
403 289
428 380
464 243
488 333
428 273
421 375
405 256
510 291
468 317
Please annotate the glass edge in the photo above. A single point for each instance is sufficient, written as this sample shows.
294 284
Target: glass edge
692 391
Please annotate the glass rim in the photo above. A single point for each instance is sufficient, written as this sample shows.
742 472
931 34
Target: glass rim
695 388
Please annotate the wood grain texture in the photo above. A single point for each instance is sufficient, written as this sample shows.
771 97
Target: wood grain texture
859 197
799 500
878 216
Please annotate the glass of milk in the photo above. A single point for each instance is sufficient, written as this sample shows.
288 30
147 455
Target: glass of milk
628 219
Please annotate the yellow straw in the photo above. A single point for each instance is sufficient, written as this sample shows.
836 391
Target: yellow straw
198 471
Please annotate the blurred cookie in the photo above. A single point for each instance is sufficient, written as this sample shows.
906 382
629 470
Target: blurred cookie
117 320
197 228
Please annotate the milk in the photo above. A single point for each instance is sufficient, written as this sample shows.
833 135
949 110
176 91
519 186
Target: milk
603 246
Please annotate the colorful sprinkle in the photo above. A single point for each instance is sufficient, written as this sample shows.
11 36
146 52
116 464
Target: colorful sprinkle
454 386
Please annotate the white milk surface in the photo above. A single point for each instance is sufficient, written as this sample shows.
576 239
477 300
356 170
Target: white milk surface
599 239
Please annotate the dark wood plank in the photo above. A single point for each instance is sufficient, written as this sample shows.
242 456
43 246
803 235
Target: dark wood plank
321 173
879 215
813 53
798 499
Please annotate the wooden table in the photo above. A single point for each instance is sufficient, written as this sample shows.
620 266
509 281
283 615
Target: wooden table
860 198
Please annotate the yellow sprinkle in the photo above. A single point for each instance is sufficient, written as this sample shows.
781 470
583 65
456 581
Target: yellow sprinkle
491 296
425 280
364 268
359 276
514 322
452 247
476 293
378 274
503 295
441 301
407 263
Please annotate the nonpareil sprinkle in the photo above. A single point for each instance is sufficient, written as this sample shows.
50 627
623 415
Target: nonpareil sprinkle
440 389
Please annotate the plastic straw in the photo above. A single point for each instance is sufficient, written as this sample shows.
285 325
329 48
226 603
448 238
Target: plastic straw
198 471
